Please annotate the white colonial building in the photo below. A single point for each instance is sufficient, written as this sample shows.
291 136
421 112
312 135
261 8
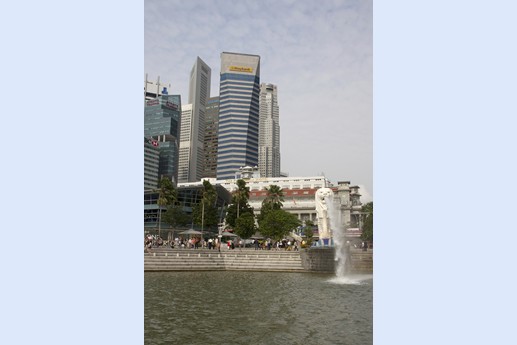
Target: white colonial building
299 195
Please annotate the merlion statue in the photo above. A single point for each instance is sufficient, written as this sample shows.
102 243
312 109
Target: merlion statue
322 211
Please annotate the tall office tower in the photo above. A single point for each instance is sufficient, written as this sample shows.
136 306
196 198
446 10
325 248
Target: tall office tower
151 164
238 113
185 143
162 123
199 92
210 143
153 90
269 132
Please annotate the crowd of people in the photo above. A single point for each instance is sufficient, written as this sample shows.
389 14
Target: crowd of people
154 241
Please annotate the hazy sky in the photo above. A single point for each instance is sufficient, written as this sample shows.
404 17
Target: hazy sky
319 54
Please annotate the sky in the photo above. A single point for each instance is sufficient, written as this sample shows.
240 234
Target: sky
319 54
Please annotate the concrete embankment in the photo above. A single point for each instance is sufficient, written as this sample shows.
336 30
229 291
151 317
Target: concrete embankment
323 260
228 260
312 260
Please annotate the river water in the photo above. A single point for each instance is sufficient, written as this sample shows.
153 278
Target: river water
250 308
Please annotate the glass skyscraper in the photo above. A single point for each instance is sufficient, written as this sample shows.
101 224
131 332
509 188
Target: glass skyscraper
238 113
151 165
162 123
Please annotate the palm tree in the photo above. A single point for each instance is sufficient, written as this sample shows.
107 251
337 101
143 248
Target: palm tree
239 205
166 196
242 194
275 197
272 201
208 200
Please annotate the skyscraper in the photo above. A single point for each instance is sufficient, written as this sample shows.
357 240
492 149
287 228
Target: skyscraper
185 139
238 113
191 149
269 132
210 143
161 122
151 164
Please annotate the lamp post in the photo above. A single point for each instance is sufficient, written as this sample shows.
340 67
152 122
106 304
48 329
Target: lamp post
202 220
159 221
160 202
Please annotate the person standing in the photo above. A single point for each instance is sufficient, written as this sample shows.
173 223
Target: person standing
148 244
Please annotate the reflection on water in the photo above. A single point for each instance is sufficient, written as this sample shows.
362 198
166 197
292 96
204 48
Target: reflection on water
228 307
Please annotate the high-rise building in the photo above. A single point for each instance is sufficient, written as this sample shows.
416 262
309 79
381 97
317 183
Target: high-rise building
151 164
162 123
238 113
185 143
269 132
210 143
193 135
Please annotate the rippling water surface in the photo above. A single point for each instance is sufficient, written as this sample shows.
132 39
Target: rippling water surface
257 308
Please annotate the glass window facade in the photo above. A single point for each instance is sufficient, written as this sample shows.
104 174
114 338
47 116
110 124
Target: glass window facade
238 114
162 121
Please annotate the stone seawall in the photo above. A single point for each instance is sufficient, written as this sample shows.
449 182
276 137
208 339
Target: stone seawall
226 260
310 260
322 260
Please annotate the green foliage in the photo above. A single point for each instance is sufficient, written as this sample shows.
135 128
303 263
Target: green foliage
274 198
239 205
205 212
272 201
245 225
166 192
168 197
231 215
175 216
367 234
276 224
308 232
242 192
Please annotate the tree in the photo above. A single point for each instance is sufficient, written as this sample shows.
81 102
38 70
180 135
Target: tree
245 225
166 196
276 224
367 233
175 216
239 205
274 197
205 212
272 201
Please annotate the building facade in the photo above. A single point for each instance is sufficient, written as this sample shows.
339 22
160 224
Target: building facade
185 143
193 135
151 164
269 132
211 140
238 113
299 196
162 123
